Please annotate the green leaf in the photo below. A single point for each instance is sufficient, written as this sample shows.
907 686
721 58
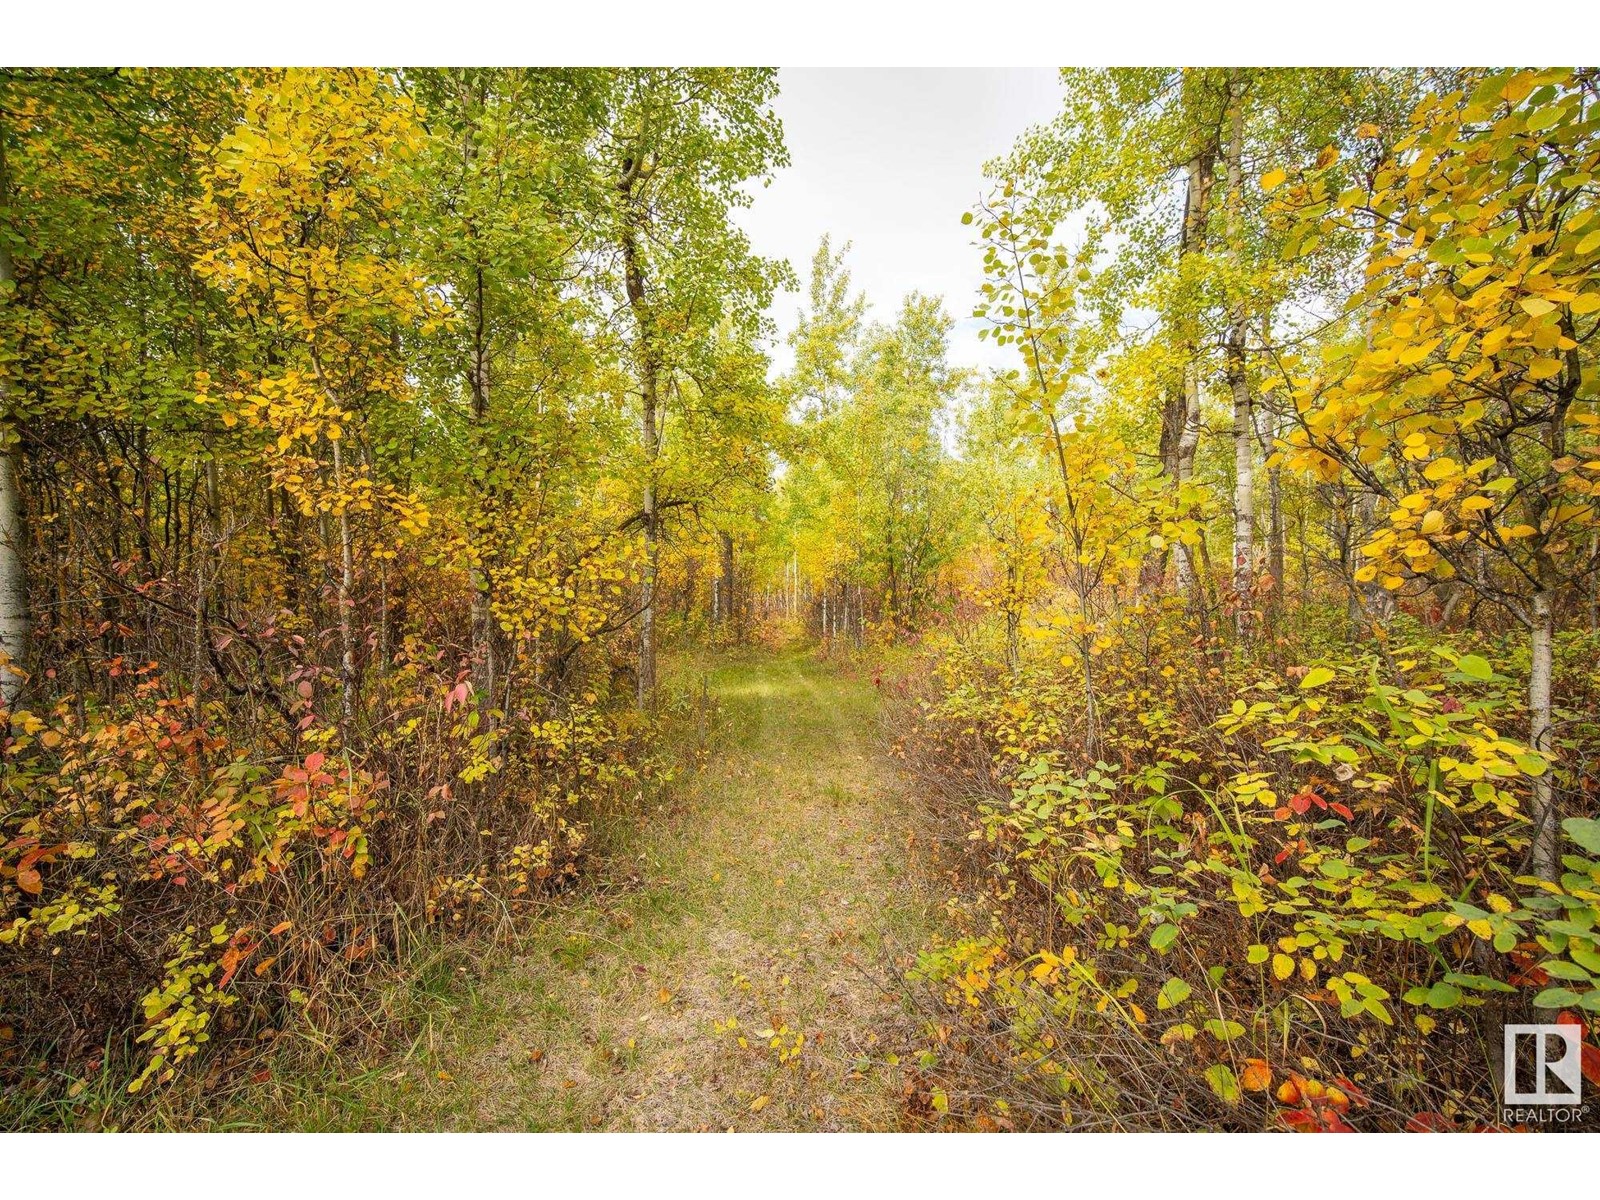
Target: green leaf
1443 995
1531 764
1475 667
1558 997
1316 677
1223 1082
1584 831
1162 936
1482 983
1174 992
1257 955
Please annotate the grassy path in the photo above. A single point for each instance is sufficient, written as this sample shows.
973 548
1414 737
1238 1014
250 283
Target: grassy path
774 893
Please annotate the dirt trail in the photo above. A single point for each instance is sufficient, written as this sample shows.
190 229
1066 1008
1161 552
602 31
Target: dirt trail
773 893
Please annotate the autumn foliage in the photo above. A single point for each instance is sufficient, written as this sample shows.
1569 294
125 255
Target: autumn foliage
327 502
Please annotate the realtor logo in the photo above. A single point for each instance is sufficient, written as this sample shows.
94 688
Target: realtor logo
1557 1064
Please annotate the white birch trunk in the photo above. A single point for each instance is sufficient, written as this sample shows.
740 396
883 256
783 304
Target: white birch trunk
1243 412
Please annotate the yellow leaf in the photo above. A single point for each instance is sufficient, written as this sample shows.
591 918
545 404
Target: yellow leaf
1272 179
1316 677
1536 306
1282 966
759 1103
664 996
1441 469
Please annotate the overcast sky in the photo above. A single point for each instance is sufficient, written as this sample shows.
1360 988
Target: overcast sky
889 160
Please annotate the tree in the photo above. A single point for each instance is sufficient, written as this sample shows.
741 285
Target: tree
682 145
298 202
1462 398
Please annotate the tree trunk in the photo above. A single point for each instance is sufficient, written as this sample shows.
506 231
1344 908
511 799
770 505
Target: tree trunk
347 570
647 595
725 582
1243 412
649 432
1378 601
1545 859
1275 528
15 621
1186 422
483 664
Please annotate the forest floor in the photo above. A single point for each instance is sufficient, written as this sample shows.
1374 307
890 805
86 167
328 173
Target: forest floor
775 897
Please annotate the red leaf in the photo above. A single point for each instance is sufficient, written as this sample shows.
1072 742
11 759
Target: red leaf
314 761
1590 1060
1351 1090
1334 1123
1344 812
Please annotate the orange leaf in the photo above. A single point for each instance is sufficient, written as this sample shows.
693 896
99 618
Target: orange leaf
1257 1076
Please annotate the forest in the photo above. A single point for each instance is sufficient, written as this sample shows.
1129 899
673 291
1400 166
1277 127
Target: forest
452 676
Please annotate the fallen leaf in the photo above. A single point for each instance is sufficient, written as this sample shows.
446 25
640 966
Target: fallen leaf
1257 1076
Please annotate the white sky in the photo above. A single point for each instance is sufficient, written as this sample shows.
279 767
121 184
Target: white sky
889 160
